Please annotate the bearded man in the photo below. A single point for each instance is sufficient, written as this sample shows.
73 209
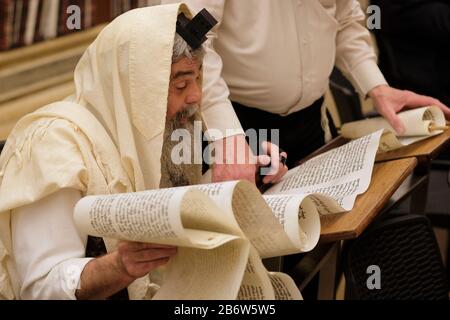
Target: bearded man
138 82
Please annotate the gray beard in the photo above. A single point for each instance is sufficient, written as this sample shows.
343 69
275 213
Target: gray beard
173 175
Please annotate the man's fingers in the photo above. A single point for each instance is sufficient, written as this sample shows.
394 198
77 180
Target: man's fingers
444 109
149 266
130 246
137 262
276 178
269 147
157 246
397 124
283 168
280 171
138 246
273 151
226 172
151 255
233 160
284 155
417 100
277 169
139 270
263 160
393 119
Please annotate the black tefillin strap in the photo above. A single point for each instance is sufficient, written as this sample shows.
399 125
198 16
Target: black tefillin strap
194 31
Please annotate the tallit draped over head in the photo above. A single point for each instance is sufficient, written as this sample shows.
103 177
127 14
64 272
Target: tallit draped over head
108 137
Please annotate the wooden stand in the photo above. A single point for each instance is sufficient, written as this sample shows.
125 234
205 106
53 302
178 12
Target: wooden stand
396 175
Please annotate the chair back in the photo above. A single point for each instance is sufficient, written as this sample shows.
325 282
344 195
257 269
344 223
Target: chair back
405 254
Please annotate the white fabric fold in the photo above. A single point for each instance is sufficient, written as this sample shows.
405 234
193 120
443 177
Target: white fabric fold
94 141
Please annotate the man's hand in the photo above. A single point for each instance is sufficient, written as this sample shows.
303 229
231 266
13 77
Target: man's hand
234 160
105 276
272 156
389 101
135 259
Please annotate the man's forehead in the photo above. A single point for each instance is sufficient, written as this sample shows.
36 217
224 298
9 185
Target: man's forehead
185 67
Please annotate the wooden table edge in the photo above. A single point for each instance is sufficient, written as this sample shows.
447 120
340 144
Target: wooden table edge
354 233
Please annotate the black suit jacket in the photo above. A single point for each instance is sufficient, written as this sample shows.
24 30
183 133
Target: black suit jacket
414 43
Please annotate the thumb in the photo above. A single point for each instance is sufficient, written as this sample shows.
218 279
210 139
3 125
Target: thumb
263 160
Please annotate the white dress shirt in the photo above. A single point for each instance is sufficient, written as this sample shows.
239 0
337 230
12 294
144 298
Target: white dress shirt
48 250
277 55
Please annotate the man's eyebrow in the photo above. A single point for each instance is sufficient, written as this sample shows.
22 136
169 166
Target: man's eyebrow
181 74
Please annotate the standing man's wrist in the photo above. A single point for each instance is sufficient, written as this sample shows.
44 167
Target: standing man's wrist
377 92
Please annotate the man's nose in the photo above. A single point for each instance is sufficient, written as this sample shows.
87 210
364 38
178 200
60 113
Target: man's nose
195 95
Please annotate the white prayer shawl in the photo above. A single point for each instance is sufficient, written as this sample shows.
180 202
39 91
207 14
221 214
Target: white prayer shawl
105 139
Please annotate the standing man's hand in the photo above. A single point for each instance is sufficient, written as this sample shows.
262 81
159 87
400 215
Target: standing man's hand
273 157
234 160
389 101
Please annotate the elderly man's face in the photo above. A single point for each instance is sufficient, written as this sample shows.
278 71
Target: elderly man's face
185 95
185 92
